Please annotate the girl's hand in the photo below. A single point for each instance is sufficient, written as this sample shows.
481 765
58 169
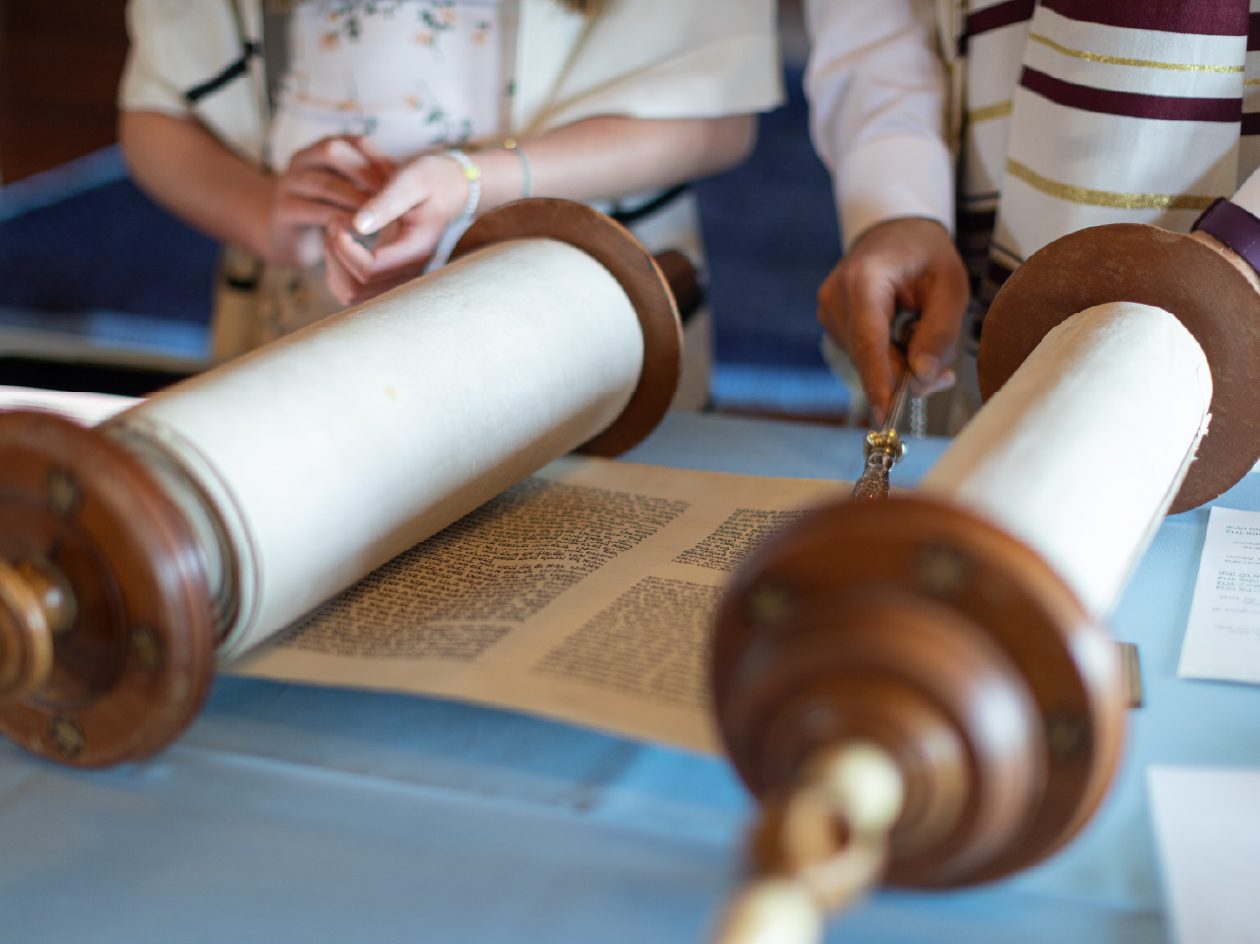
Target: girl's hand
332 178
411 213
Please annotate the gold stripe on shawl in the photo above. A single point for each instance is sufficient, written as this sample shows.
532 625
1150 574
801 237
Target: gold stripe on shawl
990 112
1124 61
1106 198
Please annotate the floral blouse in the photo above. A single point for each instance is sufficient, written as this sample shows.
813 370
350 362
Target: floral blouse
411 74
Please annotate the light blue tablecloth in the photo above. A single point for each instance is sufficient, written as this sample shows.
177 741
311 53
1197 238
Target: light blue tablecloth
297 814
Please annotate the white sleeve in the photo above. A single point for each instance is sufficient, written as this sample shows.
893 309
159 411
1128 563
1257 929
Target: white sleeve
877 91
668 59
1248 195
176 45
147 83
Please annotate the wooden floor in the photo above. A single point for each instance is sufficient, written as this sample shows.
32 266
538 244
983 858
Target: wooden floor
60 61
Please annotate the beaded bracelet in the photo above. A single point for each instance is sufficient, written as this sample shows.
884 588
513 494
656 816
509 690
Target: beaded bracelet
472 174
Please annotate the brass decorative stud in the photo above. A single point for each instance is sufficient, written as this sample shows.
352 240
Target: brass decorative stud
1066 736
769 603
147 649
942 570
66 735
64 493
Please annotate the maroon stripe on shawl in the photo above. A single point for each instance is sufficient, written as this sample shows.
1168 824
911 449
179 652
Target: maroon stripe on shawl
973 221
1251 123
995 17
997 273
1253 32
1210 17
1133 104
999 15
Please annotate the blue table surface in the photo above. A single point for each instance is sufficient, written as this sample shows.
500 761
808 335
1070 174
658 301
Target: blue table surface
293 813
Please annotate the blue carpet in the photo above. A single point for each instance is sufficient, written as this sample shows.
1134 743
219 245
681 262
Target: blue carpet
771 235
84 239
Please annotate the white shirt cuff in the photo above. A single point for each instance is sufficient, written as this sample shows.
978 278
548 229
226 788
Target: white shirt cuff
892 177
1248 195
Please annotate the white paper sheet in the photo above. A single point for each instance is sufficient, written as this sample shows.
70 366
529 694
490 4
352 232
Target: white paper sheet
1223 636
1207 827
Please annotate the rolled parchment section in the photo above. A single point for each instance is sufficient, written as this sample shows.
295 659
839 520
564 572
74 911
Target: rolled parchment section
1081 453
333 450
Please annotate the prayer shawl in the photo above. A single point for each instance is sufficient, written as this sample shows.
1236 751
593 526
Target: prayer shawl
1077 113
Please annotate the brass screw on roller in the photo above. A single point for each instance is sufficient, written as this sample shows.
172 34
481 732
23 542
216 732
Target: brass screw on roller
66 735
35 606
64 493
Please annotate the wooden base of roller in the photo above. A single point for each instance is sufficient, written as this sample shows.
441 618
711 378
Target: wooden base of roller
132 663
923 630
1212 297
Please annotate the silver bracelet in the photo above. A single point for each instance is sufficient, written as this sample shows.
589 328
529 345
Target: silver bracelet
472 174
527 179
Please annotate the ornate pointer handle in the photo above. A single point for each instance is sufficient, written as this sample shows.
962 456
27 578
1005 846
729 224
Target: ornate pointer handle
884 447
819 849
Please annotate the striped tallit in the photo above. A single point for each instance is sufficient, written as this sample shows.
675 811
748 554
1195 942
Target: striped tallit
1076 113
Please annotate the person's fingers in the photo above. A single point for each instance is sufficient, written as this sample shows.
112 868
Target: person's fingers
831 307
943 381
348 287
433 180
357 261
293 211
383 167
944 296
406 191
394 262
870 300
338 279
344 267
346 158
373 151
412 246
322 185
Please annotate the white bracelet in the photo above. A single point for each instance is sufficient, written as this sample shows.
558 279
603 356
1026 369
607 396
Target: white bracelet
472 174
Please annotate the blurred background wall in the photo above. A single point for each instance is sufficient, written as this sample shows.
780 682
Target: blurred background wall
59 66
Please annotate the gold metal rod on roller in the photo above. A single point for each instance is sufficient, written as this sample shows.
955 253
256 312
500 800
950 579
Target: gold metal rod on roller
36 606
884 447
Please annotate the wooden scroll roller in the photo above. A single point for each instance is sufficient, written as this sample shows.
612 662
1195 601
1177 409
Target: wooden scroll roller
919 690
206 519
